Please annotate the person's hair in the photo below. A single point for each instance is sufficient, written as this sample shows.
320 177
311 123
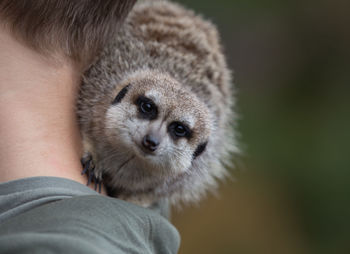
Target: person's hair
76 28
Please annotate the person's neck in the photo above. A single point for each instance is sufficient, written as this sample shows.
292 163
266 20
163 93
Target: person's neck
39 135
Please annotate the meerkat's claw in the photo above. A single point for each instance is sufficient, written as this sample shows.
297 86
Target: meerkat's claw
86 162
89 169
97 180
91 175
85 167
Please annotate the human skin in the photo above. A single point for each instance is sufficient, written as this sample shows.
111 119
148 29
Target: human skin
39 134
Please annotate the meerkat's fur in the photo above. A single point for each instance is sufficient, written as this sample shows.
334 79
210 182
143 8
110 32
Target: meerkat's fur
156 109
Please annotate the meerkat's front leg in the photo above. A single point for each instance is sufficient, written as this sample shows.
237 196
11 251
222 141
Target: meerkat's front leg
89 169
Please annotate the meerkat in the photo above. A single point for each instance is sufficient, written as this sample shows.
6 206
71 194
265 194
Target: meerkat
155 110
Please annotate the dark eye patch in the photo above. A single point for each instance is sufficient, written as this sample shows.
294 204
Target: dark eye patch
120 95
179 130
200 149
147 108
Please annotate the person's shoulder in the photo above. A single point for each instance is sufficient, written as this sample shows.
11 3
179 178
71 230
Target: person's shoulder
98 223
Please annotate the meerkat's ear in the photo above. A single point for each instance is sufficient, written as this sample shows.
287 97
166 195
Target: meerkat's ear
200 149
121 95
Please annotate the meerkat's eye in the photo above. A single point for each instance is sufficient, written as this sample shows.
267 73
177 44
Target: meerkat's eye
147 108
178 130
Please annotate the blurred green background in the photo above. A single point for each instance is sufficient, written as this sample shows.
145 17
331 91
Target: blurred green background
292 74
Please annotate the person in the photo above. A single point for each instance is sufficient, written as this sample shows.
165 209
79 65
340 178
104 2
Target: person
45 205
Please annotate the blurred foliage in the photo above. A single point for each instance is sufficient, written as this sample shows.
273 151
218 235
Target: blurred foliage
292 74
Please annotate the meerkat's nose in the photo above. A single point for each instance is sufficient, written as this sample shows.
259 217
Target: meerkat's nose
150 142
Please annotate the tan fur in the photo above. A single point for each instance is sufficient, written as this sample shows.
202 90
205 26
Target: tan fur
174 57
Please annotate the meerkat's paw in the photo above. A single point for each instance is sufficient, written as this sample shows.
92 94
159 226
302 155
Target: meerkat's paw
89 170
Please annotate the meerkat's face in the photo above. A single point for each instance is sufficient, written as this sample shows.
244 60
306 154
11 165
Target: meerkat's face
155 129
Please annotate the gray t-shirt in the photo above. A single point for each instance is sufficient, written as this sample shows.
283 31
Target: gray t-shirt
56 215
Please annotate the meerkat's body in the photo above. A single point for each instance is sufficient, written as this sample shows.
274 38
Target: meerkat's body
156 109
